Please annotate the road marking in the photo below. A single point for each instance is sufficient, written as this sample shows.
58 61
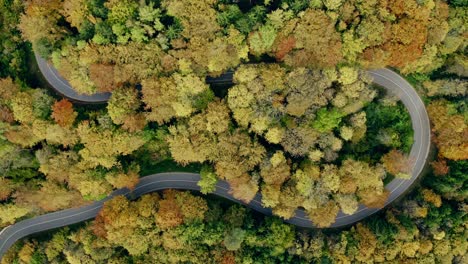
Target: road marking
3 230
73 93
415 175
411 180
58 79
79 213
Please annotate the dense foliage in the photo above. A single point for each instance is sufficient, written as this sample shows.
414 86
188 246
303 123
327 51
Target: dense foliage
12 47
179 227
99 45
302 125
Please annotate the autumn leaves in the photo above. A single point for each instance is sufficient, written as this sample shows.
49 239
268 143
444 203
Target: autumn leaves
281 127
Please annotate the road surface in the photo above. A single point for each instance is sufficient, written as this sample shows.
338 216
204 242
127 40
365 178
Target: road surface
64 88
386 78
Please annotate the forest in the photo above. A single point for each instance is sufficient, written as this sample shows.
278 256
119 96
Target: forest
302 124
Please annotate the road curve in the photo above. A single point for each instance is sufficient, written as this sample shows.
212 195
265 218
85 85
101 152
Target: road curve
64 88
386 78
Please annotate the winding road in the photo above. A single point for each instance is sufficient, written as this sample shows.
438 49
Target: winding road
64 88
386 78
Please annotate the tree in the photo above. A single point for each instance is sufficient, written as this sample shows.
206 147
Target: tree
233 239
120 179
198 18
26 253
367 242
289 201
41 21
202 130
243 188
324 215
440 167
261 41
75 12
318 44
193 208
169 214
206 137
11 212
270 195
121 11
454 87
299 141
22 106
203 55
42 103
56 245
327 120
369 182
372 198
52 165
279 236
372 31
8 89
120 222
22 135
431 197
50 197
449 131
102 75
103 146
63 113
134 123
348 203
6 189
275 171
208 180
123 103
288 107
16 164
458 65
57 135
284 47
176 96
397 164
453 184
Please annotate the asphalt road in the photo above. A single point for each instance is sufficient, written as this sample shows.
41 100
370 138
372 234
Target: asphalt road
64 88
386 78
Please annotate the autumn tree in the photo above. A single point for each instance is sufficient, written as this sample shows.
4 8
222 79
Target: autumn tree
276 170
63 113
397 164
450 131
324 215
123 105
206 137
445 87
208 180
317 43
22 106
102 147
120 219
175 96
193 14
8 89
290 107
40 22
102 75
233 239
11 212
6 189
52 164
128 179
50 197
